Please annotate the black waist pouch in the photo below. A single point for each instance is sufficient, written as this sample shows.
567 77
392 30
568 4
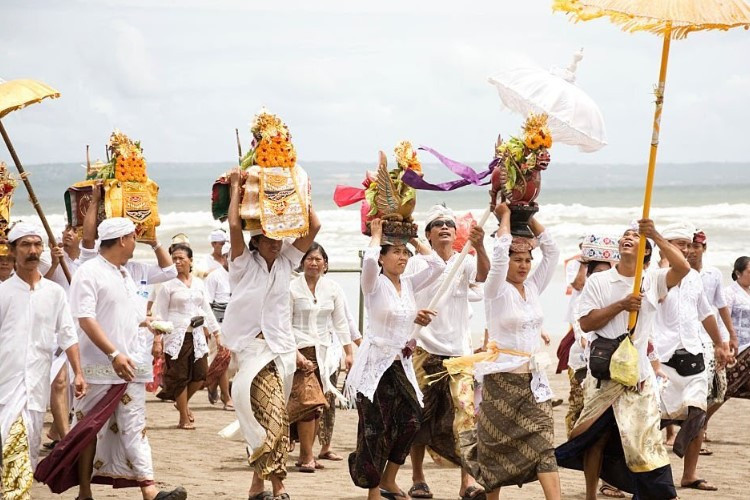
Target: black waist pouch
600 356
685 363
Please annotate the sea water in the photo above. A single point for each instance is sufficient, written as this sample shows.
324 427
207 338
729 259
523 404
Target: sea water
575 199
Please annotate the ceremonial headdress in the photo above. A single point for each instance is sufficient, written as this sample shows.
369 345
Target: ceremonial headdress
700 237
439 212
521 244
682 230
22 229
115 227
180 239
217 236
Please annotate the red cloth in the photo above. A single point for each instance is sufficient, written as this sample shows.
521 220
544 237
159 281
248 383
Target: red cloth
347 195
563 350
218 367
59 470
158 373
464 223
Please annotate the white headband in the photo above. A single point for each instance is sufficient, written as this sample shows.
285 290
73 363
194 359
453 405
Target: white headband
22 229
679 231
115 227
217 236
439 212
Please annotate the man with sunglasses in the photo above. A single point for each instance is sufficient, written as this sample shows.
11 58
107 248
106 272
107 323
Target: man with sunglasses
447 336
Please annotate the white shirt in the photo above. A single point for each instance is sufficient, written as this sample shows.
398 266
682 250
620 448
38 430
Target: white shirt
738 301
712 286
390 321
260 300
448 334
33 323
607 287
208 264
217 286
571 271
679 317
578 356
109 294
514 322
316 317
178 303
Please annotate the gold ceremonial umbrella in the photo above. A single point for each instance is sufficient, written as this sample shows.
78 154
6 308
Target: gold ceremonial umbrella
669 19
15 95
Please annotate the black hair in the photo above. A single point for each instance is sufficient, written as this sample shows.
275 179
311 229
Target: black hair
251 245
739 266
592 265
108 243
647 255
315 247
184 248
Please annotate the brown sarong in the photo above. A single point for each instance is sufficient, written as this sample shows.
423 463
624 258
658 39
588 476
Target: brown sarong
267 401
738 377
575 398
183 370
328 417
514 433
306 400
436 429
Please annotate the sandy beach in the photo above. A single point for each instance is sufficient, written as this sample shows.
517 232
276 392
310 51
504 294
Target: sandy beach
210 467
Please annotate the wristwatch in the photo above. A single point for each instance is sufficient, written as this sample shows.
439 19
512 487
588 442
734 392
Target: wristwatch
112 355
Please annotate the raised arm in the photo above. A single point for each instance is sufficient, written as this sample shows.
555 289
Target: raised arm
496 283
236 238
678 265
370 267
550 256
476 236
303 243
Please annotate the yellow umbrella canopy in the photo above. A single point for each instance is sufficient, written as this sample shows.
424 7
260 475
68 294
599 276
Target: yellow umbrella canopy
669 19
17 94
678 17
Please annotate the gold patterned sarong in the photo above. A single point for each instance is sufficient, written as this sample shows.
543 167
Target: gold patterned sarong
638 420
267 401
17 475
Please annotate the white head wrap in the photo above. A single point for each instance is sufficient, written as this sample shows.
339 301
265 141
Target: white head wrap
226 248
682 230
116 227
439 212
217 236
22 229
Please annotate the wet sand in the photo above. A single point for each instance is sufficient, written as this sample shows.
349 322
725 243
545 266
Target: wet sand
210 467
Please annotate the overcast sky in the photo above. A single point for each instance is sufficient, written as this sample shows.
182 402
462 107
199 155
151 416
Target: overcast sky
350 77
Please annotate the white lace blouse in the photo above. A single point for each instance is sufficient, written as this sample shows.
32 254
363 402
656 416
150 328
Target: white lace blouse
316 317
390 322
738 301
178 303
515 323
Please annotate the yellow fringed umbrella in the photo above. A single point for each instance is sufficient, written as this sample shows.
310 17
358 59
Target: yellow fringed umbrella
15 95
668 19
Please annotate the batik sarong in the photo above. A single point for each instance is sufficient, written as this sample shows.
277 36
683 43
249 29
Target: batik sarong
123 453
182 371
635 459
514 433
267 401
436 428
328 418
20 437
575 398
306 401
387 426
738 377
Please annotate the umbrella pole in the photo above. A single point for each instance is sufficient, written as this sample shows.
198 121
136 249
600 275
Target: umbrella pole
32 197
651 165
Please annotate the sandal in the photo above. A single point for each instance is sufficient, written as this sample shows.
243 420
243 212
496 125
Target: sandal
263 495
474 492
419 490
700 484
329 455
391 495
306 467
51 445
705 452
283 496
186 427
190 413
610 491
317 465
228 407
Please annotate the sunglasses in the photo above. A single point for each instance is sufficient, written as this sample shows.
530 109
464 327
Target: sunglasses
442 223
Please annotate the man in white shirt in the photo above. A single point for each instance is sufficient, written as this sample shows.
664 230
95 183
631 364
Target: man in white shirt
217 289
447 421
639 464
216 259
678 341
257 329
116 361
712 286
34 318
